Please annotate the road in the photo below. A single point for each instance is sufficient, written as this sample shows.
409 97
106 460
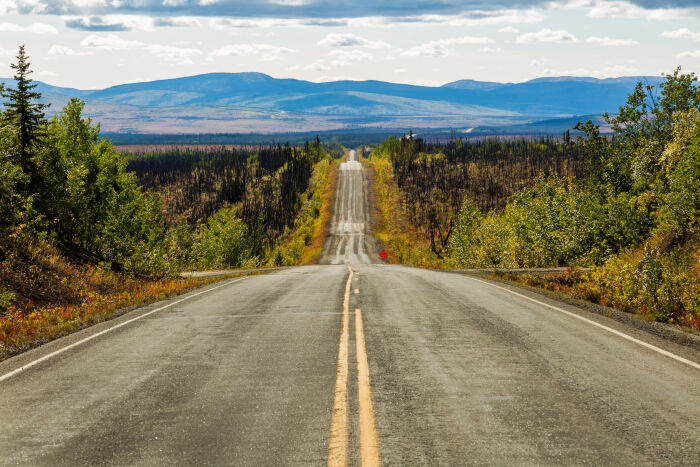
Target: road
353 363
349 239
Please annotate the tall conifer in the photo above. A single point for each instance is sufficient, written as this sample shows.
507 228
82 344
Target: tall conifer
24 114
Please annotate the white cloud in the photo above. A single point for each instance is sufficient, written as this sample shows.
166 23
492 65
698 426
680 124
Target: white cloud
317 66
7 52
694 54
62 50
229 23
28 6
471 18
475 18
34 28
167 53
110 42
88 3
443 47
264 52
367 22
178 21
110 23
537 63
351 40
263 23
180 55
546 35
478 18
608 42
683 33
401 70
492 50
509 29
346 57
623 9
288 2
7 7
613 71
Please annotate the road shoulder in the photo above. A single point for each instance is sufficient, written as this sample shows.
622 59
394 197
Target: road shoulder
672 338
118 319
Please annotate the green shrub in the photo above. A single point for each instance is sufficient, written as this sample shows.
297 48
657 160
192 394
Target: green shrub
6 298
222 241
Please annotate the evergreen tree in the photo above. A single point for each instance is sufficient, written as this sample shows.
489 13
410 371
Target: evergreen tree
24 115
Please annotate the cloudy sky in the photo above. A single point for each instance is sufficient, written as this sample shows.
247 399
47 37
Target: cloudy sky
97 43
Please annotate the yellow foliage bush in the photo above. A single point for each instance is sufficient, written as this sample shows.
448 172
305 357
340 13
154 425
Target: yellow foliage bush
303 244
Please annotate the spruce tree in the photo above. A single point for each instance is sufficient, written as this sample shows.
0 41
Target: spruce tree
24 114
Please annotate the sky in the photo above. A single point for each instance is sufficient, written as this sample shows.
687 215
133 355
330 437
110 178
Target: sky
92 44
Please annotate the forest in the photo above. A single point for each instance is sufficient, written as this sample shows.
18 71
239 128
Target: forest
435 178
64 184
263 186
627 205
85 230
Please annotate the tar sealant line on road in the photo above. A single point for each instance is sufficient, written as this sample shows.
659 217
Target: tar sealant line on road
338 442
343 200
351 203
369 448
299 313
337 251
105 331
335 207
601 326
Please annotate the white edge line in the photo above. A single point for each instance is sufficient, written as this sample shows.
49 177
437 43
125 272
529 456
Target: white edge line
105 331
617 333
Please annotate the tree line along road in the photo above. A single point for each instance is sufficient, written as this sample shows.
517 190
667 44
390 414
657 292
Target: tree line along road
353 361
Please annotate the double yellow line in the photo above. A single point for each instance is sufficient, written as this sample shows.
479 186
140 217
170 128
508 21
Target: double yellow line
338 444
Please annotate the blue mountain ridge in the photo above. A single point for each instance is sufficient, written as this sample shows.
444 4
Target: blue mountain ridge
207 94
542 95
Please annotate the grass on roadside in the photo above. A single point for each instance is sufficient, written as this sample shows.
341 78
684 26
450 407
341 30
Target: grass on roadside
44 296
403 242
657 285
321 225
304 243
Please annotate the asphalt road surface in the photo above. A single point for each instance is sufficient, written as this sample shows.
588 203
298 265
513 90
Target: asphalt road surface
353 363
350 240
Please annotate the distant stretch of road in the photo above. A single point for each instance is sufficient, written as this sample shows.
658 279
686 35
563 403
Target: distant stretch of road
353 363
350 240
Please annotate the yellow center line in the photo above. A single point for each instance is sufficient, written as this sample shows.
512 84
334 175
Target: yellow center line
338 443
369 449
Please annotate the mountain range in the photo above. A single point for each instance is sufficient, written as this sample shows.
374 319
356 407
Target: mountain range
258 103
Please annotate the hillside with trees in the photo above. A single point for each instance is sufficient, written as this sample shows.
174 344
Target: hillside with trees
627 205
263 185
212 105
85 230
435 178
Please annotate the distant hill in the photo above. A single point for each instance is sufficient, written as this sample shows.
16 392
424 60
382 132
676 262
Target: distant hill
47 88
474 85
259 103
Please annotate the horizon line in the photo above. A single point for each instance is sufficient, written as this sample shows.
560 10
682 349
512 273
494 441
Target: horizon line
505 83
